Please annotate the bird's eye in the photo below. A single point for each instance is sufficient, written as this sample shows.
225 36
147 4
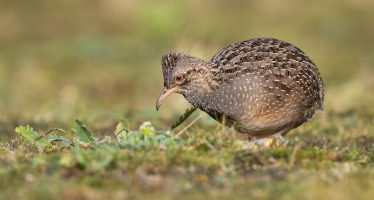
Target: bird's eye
178 79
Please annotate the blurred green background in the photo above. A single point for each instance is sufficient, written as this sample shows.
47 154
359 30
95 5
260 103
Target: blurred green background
97 60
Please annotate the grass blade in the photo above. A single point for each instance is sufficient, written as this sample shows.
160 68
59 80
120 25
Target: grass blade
183 118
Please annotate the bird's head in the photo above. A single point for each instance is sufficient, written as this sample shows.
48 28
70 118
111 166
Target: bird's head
183 74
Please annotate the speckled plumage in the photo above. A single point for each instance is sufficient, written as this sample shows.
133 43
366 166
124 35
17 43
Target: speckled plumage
260 86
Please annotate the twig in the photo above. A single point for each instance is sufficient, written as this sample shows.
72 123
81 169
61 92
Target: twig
293 155
189 125
122 130
50 131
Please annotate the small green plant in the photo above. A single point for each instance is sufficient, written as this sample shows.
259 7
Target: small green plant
144 138
41 140
31 135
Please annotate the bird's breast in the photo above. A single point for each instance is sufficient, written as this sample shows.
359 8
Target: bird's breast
233 99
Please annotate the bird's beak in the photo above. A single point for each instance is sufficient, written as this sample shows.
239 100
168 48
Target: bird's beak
164 93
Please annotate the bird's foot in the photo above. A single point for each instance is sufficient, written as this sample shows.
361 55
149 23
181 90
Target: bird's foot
264 143
272 141
256 144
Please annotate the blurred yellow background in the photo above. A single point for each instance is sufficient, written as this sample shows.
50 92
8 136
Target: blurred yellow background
61 60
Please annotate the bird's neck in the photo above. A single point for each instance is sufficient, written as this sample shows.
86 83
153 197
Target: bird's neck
202 81
200 89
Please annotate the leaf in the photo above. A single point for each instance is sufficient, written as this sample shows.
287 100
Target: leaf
183 118
120 128
43 143
27 132
57 138
83 134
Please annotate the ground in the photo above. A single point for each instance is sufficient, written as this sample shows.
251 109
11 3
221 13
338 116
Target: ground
92 72
330 157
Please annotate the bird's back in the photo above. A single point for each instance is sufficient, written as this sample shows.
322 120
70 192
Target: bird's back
269 79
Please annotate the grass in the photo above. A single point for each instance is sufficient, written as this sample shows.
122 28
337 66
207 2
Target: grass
321 160
100 63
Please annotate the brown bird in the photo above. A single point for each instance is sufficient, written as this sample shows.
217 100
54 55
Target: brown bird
261 86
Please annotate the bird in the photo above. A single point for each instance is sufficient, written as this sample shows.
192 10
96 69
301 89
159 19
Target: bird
261 87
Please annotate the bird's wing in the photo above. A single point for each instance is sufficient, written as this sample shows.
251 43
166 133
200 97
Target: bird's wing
268 57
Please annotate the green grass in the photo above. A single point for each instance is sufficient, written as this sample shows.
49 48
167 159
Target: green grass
99 62
331 157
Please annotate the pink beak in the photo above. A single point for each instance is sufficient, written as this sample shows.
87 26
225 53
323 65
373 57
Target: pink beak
164 93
